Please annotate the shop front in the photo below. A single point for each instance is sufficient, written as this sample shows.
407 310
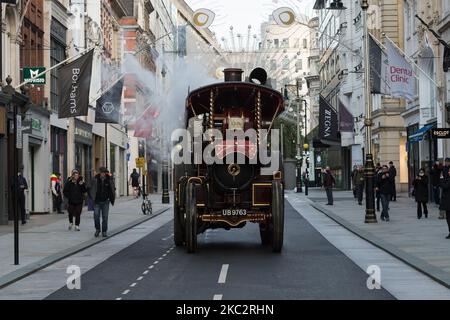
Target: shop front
83 148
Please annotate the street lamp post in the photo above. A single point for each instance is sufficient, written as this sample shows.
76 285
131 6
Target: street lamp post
165 162
306 150
299 157
370 216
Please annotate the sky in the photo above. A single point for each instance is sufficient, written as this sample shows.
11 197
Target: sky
242 13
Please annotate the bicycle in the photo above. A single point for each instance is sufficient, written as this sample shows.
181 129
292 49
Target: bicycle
146 205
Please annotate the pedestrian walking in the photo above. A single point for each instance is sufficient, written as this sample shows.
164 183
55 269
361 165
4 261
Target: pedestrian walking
377 192
134 181
420 184
19 185
358 182
55 180
445 171
352 176
102 190
328 183
435 180
384 185
74 191
445 199
392 175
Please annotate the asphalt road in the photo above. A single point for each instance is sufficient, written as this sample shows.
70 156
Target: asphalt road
229 265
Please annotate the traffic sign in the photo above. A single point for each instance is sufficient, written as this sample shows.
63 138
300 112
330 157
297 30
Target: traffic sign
30 75
140 162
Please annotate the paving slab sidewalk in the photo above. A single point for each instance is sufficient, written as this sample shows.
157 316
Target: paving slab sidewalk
419 243
46 239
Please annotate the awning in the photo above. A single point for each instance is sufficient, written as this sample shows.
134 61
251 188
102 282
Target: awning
418 136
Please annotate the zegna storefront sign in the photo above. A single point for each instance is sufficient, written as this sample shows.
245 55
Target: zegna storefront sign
328 121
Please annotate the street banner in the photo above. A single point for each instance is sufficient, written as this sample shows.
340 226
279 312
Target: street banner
143 125
75 82
378 67
108 105
346 121
400 74
328 121
446 61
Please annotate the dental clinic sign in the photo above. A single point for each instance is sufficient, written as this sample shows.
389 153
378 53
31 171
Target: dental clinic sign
30 74
401 78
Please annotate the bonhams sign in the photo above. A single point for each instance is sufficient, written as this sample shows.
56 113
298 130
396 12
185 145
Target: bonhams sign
328 121
75 81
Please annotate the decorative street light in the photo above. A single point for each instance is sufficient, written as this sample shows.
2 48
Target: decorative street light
165 162
370 216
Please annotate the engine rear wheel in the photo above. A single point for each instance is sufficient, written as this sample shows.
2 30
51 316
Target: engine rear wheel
277 216
179 234
191 218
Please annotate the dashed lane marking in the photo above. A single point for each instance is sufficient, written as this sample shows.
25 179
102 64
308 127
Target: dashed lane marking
145 272
223 273
218 297
133 284
140 278
126 291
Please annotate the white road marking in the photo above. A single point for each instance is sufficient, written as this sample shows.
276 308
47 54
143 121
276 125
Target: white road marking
165 254
118 298
151 267
140 278
218 297
155 262
145 272
160 258
126 291
223 273
167 238
133 284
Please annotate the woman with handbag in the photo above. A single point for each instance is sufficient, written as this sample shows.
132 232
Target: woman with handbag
420 192
74 191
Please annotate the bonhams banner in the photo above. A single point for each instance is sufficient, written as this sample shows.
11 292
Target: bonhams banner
75 81
400 74
108 105
328 121
346 120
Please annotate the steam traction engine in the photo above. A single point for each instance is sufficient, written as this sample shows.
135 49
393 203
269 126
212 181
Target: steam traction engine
229 195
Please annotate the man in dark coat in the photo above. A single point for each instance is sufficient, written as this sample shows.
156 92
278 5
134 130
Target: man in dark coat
384 186
328 183
358 182
378 169
20 184
420 184
352 176
393 174
435 181
102 191
445 200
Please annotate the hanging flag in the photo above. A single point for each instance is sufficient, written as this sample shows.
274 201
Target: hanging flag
378 66
108 105
346 122
75 81
446 61
143 125
400 73
328 121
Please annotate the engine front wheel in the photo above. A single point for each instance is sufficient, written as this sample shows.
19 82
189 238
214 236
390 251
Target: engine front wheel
277 216
179 234
191 218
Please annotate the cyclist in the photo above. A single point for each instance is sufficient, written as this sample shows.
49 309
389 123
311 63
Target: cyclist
134 178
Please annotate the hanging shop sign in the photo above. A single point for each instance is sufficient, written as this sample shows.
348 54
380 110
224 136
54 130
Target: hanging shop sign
30 75
440 133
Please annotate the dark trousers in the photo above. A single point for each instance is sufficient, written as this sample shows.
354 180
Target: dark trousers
385 205
75 211
394 193
21 202
421 204
355 195
329 191
378 196
57 200
437 194
447 214
359 192
103 209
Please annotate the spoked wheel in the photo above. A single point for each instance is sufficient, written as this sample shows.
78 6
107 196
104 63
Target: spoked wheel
146 207
277 216
179 234
191 218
